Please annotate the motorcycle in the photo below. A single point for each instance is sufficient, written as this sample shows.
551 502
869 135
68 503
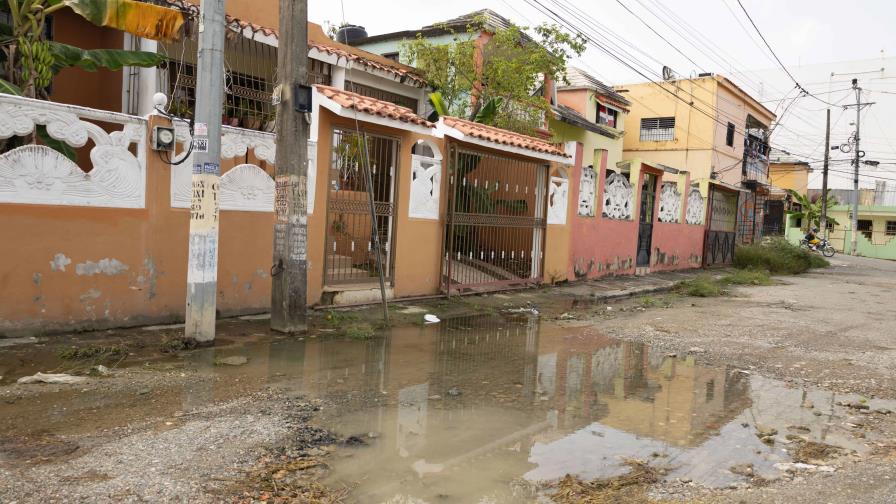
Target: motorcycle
823 246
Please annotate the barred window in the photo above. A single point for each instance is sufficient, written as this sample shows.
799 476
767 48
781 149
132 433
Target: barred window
657 129
891 228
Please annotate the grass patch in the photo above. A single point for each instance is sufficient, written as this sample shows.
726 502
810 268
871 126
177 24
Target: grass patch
95 352
778 257
334 317
748 277
360 331
701 286
178 344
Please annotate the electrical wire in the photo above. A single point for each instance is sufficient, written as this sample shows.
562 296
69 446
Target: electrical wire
777 58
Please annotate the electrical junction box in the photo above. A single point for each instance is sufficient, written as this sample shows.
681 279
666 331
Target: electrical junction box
163 138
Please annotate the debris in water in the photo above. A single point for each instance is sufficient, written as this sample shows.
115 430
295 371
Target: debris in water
51 378
629 487
812 452
235 360
454 392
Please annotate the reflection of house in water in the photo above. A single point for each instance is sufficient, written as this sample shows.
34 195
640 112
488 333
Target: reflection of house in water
644 392
473 400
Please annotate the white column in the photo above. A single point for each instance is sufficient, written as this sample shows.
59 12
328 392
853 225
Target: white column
147 81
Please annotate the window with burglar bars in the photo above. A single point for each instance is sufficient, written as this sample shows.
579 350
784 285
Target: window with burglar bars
379 94
891 228
657 129
866 227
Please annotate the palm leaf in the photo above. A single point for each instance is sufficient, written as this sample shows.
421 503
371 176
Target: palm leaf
9 88
488 114
138 18
66 56
438 106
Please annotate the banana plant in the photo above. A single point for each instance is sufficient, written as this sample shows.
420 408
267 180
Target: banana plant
31 61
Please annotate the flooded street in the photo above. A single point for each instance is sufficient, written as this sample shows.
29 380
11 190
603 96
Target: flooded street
493 404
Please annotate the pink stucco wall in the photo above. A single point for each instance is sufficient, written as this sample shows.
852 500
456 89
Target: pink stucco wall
598 246
676 245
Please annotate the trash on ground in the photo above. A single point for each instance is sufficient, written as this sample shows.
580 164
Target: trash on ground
429 318
51 378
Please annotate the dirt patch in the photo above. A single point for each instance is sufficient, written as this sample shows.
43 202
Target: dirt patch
812 452
630 487
34 450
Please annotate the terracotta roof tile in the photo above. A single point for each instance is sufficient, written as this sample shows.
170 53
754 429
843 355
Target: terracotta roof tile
502 136
373 106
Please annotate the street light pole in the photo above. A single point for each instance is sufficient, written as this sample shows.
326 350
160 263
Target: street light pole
289 272
202 261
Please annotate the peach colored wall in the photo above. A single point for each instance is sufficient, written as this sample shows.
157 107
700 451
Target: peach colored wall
150 242
418 242
261 12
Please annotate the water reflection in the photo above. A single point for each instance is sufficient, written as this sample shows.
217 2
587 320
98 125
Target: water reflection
461 410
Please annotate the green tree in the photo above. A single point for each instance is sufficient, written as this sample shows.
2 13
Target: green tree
810 211
500 83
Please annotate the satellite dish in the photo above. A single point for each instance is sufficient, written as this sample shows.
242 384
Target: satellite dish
668 74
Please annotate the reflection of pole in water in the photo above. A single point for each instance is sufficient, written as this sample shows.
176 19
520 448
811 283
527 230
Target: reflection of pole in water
530 373
201 391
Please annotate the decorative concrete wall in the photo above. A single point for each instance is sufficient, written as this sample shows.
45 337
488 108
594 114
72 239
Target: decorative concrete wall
601 244
678 230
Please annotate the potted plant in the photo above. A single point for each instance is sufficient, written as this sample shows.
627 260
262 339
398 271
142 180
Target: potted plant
230 118
270 121
253 118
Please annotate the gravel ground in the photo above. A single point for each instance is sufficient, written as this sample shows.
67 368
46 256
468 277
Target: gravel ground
159 432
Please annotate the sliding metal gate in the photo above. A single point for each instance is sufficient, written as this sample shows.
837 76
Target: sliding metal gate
350 256
721 234
494 233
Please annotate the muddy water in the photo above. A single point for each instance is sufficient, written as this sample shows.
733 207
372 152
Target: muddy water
476 409
473 408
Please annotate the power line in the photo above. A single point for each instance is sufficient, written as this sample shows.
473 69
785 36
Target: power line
776 56
673 46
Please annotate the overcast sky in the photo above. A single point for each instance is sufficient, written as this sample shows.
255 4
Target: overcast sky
813 38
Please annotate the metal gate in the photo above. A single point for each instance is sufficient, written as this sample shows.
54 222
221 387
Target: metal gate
750 215
494 232
350 256
721 235
645 220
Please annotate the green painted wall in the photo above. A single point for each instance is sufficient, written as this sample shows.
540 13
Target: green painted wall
565 132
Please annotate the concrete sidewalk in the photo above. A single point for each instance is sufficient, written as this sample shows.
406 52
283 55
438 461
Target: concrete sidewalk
614 287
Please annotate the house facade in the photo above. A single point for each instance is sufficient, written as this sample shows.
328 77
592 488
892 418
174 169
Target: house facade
723 136
112 246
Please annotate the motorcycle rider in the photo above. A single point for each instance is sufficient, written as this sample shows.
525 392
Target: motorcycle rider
812 238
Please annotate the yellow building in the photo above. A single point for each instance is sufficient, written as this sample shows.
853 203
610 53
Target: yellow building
788 172
705 138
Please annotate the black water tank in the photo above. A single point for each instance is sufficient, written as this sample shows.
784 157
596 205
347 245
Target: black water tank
350 33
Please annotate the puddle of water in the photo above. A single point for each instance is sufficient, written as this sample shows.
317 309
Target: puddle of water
464 410
472 408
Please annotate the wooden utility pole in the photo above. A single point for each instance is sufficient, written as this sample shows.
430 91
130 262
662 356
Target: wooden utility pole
202 262
824 178
289 271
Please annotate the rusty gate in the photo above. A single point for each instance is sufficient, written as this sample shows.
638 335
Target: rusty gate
721 232
495 227
350 256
